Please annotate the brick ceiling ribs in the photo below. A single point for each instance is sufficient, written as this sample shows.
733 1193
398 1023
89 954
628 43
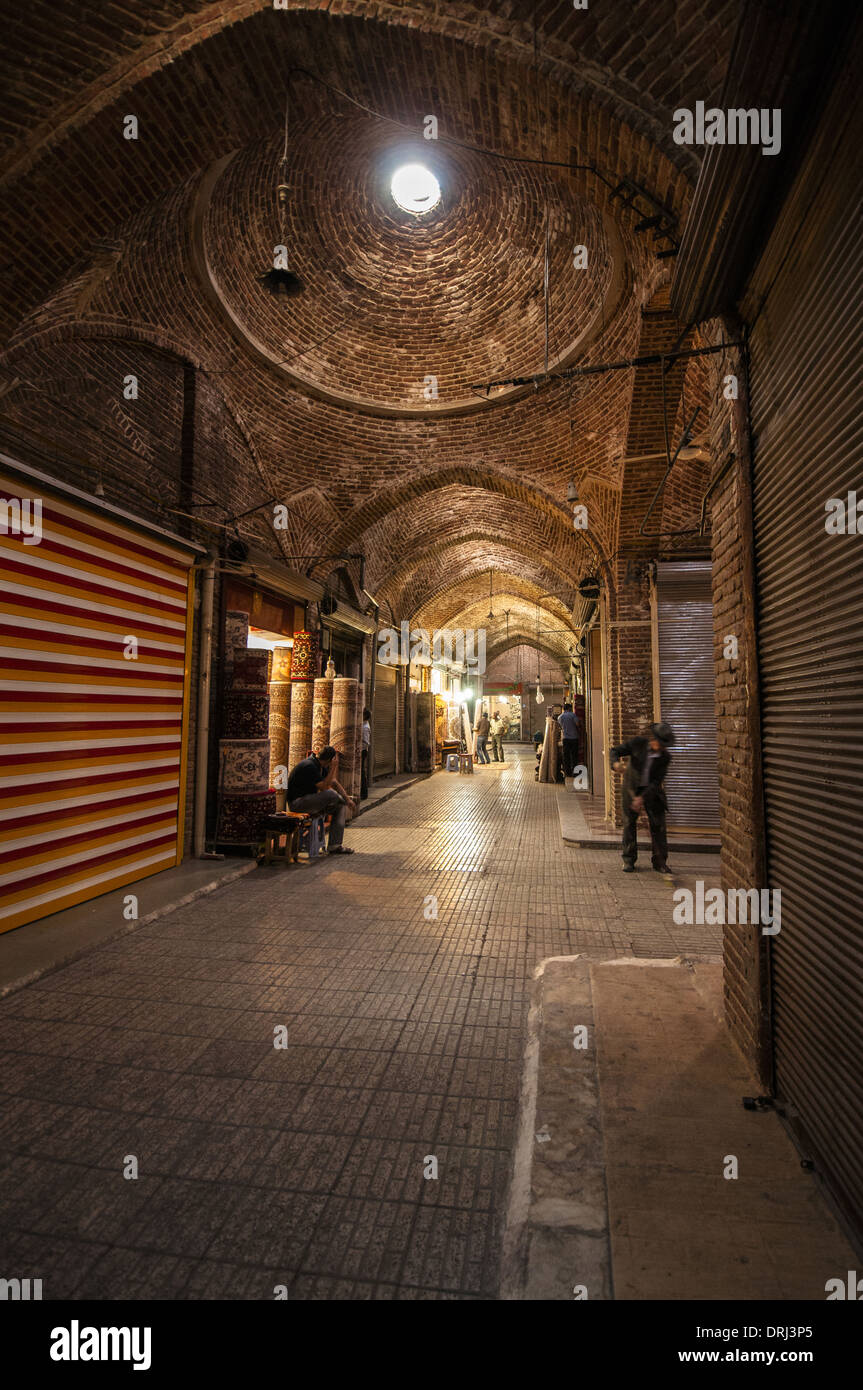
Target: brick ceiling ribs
117 251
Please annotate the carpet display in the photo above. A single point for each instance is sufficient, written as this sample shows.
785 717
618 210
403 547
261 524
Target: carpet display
249 670
241 817
246 714
244 748
358 744
322 702
441 722
244 764
282 659
550 760
280 715
342 727
236 632
425 731
305 659
300 738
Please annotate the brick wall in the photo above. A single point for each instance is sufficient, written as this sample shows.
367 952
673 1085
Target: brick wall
520 663
737 703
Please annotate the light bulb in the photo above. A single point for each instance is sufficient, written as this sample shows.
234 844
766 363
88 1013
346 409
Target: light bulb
539 696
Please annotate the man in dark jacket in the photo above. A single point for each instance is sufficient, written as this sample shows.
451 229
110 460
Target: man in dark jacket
642 790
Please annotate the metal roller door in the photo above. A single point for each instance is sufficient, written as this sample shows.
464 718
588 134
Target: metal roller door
806 376
92 755
384 732
687 690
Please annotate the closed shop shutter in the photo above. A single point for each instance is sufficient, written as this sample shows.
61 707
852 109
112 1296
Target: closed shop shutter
686 690
384 733
91 767
806 377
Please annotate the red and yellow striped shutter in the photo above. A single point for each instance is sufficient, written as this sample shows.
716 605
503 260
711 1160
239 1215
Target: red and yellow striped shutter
92 753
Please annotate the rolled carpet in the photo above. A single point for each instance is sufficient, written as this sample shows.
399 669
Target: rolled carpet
300 736
322 702
342 732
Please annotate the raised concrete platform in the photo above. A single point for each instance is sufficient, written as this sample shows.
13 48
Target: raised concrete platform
580 825
639 1174
381 791
31 951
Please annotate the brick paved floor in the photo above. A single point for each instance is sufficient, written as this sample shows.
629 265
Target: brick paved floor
304 1167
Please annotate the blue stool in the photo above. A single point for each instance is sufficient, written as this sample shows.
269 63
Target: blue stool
312 836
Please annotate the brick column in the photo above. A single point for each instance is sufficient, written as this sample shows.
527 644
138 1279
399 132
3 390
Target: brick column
741 806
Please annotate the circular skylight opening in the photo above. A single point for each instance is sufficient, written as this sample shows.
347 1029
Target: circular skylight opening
415 188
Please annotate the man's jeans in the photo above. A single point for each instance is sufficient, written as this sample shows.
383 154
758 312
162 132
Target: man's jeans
570 756
328 803
654 806
497 747
481 754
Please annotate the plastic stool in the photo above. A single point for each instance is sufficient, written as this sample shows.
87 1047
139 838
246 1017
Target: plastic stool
312 836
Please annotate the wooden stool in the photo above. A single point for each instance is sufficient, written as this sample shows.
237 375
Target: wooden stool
465 762
285 827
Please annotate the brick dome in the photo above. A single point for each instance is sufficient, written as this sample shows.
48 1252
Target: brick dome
144 256
404 312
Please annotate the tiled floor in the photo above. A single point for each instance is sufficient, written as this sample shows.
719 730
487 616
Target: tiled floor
402 976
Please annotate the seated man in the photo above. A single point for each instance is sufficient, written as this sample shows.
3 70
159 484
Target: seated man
312 787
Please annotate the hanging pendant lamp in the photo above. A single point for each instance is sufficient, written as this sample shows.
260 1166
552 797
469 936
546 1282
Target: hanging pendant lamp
281 280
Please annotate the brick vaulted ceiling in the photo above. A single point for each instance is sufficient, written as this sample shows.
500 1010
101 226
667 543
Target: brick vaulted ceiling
112 245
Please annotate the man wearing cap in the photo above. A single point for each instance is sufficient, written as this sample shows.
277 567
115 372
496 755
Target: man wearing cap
312 787
642 790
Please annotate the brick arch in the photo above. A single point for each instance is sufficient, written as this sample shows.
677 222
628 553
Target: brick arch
96 330
512 596
521 623
512 578
621 64
549 569
661 331
525 640
384 503
38 352
411 594
398 66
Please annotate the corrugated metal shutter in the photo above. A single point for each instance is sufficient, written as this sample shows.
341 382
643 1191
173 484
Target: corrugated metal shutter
92 743
806 391
384 733
686 690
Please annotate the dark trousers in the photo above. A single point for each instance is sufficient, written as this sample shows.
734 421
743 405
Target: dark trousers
570 756
654 806
364 776
497 747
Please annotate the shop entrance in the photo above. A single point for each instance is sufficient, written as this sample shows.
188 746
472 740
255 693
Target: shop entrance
508 702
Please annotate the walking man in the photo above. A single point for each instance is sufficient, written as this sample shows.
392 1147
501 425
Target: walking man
497 727
483 724
568 725
642 790
312 787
